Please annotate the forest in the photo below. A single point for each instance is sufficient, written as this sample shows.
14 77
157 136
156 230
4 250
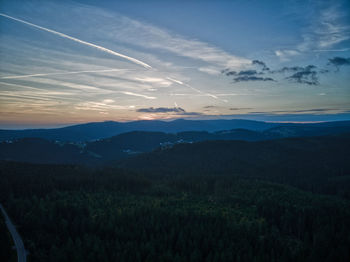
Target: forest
77 213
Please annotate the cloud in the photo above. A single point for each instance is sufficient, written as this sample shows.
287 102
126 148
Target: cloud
288 69
247 73
339 61
175 81
295 69
106 50
139 95
261 63
228 72
332 50
302 75
161 110
240 73
331 30
299 74
303 111
131 31
176 110
70 85
284 55
323 71
209 70
154 81
62 73
240 108
195 89
246 78
328 28
104 105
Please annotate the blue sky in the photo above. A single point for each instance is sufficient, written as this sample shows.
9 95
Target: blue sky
65 62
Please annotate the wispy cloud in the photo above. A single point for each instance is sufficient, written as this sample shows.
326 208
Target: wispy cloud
302 75
339 61
262 64
104 105
331 30
154 80
246 78
69 84
171 110
149 36
61 73
240 108
286 54
202 93
249 75
304 111
328 28
161 110
332 50
175 80
139 95
209 70
106 50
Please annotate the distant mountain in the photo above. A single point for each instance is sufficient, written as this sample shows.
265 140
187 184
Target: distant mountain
38 150
99 130
302 130
102 151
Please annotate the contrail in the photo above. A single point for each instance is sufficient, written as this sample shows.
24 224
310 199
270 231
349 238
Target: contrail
61 73
134 60
140 95
195 89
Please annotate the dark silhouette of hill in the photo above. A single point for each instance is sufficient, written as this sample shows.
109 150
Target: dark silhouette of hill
140 141
298 161
212 200
70 213
98 130
37 150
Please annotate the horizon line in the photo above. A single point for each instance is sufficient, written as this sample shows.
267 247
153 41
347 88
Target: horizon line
49 126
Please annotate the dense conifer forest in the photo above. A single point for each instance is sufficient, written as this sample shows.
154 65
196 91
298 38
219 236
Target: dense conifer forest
72 213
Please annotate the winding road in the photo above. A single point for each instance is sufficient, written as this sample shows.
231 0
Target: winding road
21 252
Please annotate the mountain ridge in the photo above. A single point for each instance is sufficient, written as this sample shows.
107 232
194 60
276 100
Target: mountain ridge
99 130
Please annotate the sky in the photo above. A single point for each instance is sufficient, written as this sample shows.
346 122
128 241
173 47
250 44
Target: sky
67 62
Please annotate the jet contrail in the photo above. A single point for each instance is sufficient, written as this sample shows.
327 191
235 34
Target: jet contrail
195 89
134 60
140 95
62 73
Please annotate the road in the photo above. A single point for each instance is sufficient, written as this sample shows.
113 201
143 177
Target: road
21 252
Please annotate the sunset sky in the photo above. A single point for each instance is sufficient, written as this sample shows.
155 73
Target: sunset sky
66 62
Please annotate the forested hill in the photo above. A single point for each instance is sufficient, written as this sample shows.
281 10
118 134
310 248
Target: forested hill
99 130
205 201
304 162
102 152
